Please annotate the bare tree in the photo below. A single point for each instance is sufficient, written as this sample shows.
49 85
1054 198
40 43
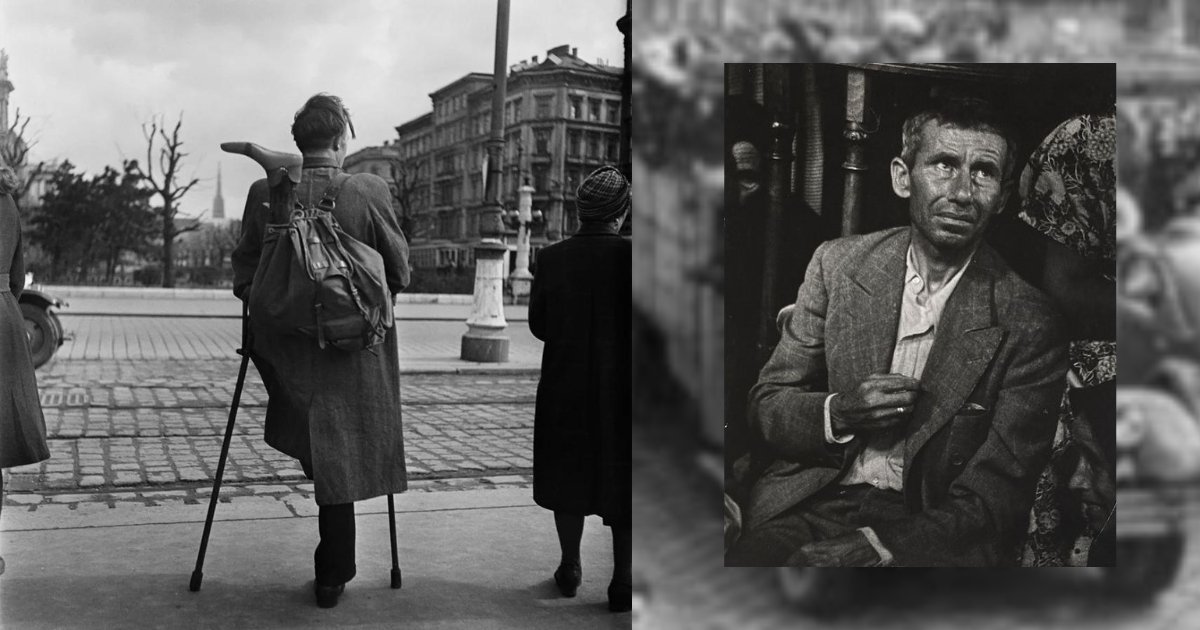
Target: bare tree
406 178
166 185
15 152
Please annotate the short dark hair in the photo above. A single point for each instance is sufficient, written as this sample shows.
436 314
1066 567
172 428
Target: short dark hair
970 113
321 121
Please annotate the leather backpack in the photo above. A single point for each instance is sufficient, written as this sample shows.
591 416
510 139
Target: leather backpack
315 280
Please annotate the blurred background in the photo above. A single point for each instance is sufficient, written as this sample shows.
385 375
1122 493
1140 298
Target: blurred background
679 164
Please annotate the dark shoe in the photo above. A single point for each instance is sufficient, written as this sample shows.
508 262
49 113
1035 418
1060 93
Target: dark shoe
327 596
620 597
568 577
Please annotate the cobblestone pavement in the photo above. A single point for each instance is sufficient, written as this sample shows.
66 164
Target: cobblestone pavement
678 567
116 425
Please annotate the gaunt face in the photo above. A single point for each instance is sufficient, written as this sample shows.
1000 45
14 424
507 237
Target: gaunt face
954 186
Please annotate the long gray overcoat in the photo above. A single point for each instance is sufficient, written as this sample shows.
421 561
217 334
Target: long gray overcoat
337 412
581 307
22 427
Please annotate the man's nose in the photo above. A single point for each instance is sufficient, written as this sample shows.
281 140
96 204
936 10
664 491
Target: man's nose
960 187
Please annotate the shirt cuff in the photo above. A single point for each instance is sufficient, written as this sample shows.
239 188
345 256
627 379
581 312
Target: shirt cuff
885 556
829 436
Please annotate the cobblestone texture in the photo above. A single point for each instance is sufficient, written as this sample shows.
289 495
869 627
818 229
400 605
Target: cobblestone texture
121 424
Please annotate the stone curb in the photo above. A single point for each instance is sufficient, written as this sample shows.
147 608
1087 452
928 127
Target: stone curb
158 293
151 506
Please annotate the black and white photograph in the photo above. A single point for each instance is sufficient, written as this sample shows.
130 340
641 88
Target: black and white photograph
680 159
315 314
925 382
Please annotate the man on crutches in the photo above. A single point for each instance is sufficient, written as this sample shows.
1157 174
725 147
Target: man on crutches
336 411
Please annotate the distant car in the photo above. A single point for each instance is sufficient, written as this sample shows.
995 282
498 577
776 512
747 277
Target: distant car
42 325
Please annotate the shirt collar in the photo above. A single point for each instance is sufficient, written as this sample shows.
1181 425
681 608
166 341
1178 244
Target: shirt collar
319 161
911 273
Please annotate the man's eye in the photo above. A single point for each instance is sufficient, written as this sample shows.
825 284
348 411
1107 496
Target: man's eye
943 166
984 174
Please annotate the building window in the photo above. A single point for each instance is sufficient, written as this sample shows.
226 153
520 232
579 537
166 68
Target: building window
614 112
572 179
576 107
571 221
593 146
541 139
610 148
543 105
446 165
541 177
512 111
447 193
594 109
573 143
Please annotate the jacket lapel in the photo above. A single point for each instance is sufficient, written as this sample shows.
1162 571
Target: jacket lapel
873 309
966 340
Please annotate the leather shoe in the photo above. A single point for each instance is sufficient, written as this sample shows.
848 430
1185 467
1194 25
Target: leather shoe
620 597
567 577
327 596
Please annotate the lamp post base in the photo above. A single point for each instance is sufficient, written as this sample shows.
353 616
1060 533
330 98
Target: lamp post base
484 346
522 282
484 341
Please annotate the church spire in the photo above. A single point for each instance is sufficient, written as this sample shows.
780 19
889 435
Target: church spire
218 206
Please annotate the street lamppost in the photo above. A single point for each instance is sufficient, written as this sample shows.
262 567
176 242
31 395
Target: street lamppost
484 341
521 277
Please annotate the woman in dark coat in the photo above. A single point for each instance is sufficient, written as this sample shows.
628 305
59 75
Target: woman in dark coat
581 307
22 427
337 412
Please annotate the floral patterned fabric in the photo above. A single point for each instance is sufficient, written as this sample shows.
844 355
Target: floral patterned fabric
1068 193
1069 187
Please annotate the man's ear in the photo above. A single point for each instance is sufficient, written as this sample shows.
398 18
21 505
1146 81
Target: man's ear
1005 193
900 178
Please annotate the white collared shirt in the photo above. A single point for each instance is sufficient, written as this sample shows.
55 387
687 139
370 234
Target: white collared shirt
881 462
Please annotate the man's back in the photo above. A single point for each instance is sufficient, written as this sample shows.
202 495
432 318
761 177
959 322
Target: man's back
363 211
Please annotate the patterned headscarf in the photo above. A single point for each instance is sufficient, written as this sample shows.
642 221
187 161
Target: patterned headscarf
1068 189
602 196
8 178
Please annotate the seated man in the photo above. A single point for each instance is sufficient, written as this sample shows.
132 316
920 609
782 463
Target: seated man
912 400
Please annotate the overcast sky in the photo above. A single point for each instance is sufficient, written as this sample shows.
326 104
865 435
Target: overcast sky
90 73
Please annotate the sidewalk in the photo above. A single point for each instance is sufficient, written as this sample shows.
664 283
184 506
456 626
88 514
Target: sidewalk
481 557
159 302
426 347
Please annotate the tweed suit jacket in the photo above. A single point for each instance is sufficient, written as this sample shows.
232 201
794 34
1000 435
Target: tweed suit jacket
981 430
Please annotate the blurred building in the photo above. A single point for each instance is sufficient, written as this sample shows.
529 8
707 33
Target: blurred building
562 120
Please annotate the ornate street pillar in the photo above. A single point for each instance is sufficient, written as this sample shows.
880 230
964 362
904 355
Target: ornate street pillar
521 278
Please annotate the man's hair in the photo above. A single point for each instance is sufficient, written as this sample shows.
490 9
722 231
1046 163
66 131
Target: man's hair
972 114
321 121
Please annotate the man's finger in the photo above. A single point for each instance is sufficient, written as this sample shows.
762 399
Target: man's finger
892 400
894 381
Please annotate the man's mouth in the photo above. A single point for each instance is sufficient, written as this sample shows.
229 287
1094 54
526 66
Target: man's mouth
955 220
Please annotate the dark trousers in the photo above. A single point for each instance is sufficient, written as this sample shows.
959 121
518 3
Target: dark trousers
834 511
334 558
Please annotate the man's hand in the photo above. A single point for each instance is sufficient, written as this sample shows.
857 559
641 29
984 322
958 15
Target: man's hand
879 402
850 550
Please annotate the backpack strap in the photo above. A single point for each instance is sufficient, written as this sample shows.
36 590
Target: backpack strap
329 199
